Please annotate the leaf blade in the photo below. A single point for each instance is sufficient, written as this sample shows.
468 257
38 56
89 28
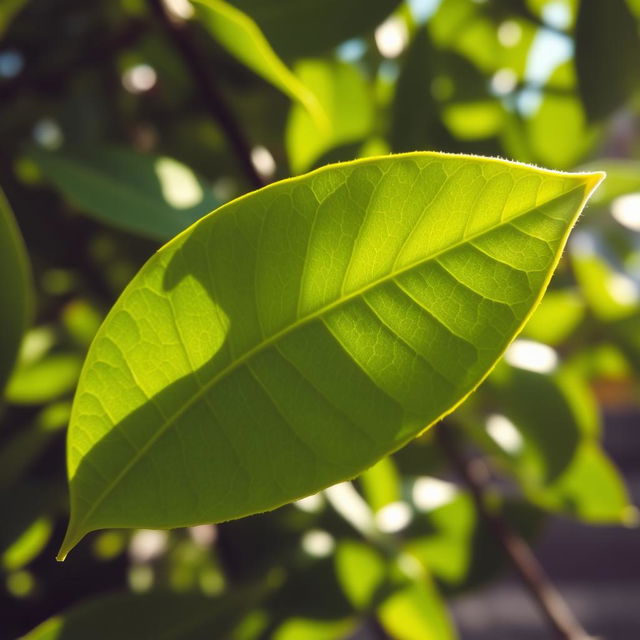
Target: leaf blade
152 196
301 253
243 39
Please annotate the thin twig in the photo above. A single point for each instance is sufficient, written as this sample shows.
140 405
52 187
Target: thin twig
204 81
474 473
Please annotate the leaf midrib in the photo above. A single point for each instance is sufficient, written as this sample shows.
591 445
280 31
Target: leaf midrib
267 342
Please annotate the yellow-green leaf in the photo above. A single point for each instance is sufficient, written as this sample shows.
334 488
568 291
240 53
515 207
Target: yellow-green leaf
345 97
242 38
299 333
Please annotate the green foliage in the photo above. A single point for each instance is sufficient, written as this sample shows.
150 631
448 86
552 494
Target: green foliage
344 96
267 350
315 288
153 196
240 35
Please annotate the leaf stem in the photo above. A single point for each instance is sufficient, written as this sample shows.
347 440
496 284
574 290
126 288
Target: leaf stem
475 476
204 81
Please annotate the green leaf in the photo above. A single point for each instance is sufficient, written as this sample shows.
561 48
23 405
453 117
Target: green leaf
44 380
608 290
556 317
344 95
559 462
242 38
557 134
152 615
361 571
544 417
16 296
591 489
310 629
469 28
607 48
317 26
458 547
381 484
303 331
416 611
153 196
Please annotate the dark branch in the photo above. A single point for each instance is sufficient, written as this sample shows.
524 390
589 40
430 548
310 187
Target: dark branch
204 81
475 475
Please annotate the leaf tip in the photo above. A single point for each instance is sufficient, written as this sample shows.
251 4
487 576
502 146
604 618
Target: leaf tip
71 539
593 180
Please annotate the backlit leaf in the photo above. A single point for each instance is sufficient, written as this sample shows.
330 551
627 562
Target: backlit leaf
242 38
416 611
342 91
300 333
556 317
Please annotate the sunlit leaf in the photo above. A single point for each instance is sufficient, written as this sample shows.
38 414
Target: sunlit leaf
537 406
456 545
610 292
28 545
345 97
473 120
556 317
473 30
559 462
555 134
248 363
591 489
44 380
361 571
15 292
447 549
381 484
152 196
416 611
242 37
607 46
309 629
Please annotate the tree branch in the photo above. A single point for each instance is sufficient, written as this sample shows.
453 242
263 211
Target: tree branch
474 473
204 81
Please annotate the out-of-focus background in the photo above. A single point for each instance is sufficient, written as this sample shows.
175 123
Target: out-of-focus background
123 121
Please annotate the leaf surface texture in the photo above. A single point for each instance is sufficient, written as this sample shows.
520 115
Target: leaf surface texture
298 334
